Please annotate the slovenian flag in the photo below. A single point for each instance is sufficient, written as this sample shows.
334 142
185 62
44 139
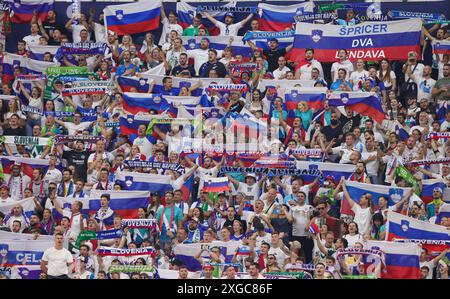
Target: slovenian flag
441 46
24 9
27 164
28 66
186 13
313 96
219 43
216 185
18 252
154 183
27 204
432 236
133 18
444 211
368 41
139 102
124 202
356 190
365 103
37 52
280 18
401 260
428 187
400 131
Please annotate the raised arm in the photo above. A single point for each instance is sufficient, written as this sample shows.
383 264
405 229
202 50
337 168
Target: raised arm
346 194
248 18
190 172
233 180
212 19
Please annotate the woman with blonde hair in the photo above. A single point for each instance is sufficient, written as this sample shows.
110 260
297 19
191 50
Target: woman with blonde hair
305 113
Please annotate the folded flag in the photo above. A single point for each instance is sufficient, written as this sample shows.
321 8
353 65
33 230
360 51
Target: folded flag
280 18
314 229
401 260
133 18
24 10
365 103
431 236
367 41
216 185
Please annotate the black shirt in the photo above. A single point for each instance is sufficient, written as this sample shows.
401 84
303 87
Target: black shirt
15 132
50 27
272 57
331 133
178 69
349 124
79 160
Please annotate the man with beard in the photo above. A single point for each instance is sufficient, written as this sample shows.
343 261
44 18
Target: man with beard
194 231
334 129
349 121
35 226
17 182
228 28
78 157
360 174
99 28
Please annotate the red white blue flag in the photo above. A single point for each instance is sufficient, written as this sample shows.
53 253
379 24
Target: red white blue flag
133 18
280 18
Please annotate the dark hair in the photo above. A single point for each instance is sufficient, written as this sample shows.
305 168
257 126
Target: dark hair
309 50
165 79
342 69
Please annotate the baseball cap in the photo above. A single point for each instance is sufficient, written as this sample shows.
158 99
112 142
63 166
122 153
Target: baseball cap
229 14
250 175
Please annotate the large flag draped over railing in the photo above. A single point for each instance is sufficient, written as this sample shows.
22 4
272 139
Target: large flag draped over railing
431 236
280 18
28 66
368 41
133 18
401 260
19 252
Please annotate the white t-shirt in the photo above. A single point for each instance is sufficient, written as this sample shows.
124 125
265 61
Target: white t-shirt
53 176
417 72
301 216
167 28
73 128
184 207
371 166
200 57
358 79
424 87
106 155
279 255
32 40
76 29
204 173
363 217
430 266
387 84
344 65
353 239
251 192
100 33
75 223
15 186
228 30
278 73
305 70
57 261
145 146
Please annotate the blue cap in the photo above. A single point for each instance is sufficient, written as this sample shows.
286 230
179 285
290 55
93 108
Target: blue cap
229 14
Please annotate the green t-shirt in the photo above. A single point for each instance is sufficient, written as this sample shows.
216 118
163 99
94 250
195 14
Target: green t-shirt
443 82
193 31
